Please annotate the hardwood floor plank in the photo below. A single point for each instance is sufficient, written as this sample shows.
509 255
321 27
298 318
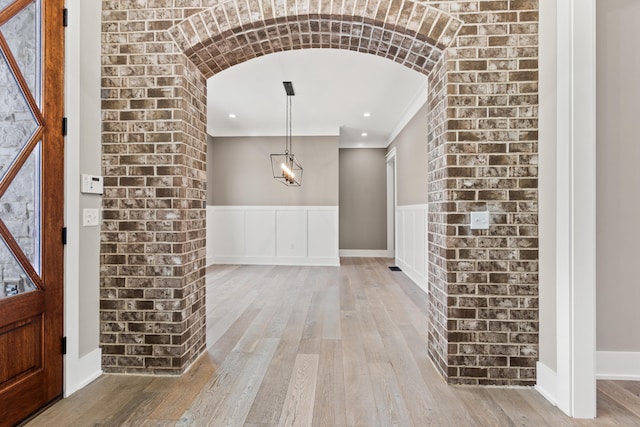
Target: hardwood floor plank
206 403
359 400
386 390
329 408
267 406
621 395
235 407
331 328
180 393
299 403
444 396
517 408
420 402
312 331
319 346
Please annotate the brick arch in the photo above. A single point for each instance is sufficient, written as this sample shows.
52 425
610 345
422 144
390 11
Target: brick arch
409 32
482 155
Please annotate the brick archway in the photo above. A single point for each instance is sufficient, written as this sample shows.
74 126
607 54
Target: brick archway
409 33
481 61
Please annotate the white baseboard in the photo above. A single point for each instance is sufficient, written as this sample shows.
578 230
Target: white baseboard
83 371
547 382
304 261
364 253
618 365
414 275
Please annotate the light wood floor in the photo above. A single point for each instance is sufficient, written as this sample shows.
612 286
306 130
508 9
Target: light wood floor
318 346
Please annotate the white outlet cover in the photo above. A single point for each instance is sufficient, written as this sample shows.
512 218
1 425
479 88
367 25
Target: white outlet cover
480 220
90 217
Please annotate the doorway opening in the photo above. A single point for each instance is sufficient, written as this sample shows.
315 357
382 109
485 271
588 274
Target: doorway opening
391 203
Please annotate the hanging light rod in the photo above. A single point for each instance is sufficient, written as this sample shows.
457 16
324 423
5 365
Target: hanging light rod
288 87
285 166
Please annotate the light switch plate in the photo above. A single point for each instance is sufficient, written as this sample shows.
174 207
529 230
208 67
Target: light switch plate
480 220
92 184
90 217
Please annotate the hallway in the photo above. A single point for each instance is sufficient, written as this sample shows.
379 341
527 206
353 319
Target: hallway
322 346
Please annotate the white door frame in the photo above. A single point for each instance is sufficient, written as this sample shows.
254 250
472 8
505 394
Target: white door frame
392 199
576 208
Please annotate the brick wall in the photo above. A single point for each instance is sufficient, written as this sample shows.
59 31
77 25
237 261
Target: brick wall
485 157
439 205
481 57
153 235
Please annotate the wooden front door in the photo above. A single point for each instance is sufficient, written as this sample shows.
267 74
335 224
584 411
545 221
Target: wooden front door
31 205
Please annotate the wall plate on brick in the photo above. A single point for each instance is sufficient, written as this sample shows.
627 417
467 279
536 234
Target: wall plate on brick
90 217
480 220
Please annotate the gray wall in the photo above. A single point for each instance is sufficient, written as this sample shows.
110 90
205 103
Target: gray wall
363 208
411 160
618 181
89 125
239 172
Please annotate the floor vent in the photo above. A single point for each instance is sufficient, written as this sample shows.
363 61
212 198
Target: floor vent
394 268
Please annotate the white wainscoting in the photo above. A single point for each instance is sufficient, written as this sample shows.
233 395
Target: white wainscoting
547 382
411 242
278 235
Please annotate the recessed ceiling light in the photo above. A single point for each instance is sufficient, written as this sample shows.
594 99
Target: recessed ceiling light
364 134
367 114
232 116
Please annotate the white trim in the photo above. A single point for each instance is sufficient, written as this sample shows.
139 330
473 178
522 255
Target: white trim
618 365
412 250
303 261
414 276
375 143
72 201
268 207
84 371
392 202
414 106
363 253
78 370
546 382
575 197
420 206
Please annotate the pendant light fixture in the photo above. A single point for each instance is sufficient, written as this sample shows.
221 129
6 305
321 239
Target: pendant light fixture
285 167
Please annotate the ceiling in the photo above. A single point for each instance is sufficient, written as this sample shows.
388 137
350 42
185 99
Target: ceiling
333 91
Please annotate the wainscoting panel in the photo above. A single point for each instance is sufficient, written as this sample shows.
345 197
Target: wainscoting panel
322 235
411 242
278 235
229 225
291 233
260 233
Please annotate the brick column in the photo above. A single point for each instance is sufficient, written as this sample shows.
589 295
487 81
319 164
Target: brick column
153 235
483 156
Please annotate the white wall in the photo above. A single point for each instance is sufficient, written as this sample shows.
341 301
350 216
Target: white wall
546 185
83 148
273 235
